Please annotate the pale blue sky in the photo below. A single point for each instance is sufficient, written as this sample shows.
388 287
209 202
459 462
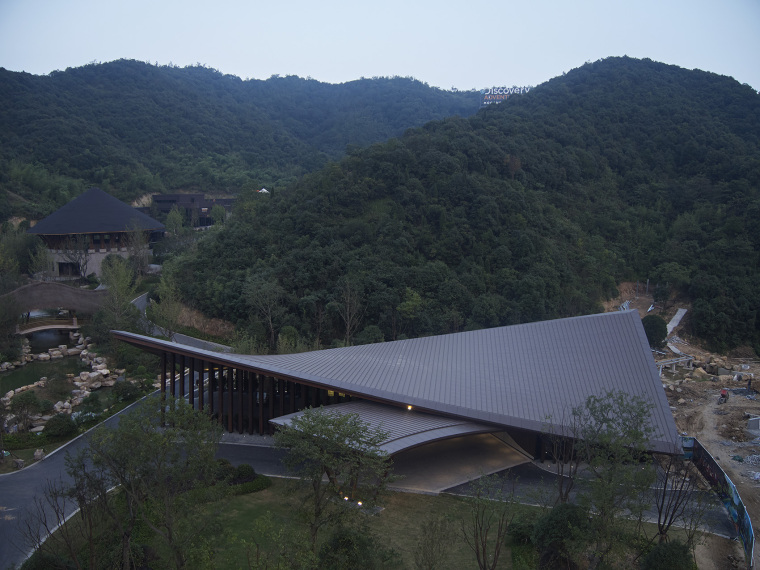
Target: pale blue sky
462 44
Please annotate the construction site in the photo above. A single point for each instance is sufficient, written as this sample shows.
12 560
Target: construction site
714 398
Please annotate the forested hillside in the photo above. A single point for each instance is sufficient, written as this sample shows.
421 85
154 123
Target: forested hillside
132 128
532 209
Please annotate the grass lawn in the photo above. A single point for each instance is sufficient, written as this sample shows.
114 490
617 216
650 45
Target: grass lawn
397 525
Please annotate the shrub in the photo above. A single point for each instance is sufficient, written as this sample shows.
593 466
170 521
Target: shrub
260 483
24 440
521 529
243 473
355 548
656 330
126 391
59 426
91 404
672 555
224 470
557 532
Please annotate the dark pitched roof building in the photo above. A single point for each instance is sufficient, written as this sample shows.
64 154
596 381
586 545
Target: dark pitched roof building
525 377
82 233
95 212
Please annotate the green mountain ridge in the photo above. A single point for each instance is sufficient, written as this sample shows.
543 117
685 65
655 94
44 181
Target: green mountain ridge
532 209
132 128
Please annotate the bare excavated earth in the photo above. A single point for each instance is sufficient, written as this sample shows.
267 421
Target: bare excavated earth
721 428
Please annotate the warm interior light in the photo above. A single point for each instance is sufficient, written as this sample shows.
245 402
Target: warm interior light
345 498
359 503
409 407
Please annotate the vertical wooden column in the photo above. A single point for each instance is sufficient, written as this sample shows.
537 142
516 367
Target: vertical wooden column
314 396
230 400
250 376
239 377
163 387
260 379
200 384
281 395
172 387
221 395
211 388
270 391
182 376
191 383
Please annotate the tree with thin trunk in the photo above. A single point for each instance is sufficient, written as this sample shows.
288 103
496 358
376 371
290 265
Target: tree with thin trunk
266 296
76 250
345 450
349 307
673 492
615 429
44 530
166 473
564 451
491 510
436 537
166 311
138 248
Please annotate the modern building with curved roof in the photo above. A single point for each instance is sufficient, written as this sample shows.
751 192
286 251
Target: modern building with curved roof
521 380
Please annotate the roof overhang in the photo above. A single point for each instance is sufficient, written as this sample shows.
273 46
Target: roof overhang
405 428
528 376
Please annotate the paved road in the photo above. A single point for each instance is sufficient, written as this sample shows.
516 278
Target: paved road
18 490
141 303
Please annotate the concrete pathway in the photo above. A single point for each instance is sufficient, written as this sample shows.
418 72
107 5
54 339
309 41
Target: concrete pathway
675 321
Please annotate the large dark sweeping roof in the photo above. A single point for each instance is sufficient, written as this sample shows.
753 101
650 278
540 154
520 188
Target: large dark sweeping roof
94 212
526 376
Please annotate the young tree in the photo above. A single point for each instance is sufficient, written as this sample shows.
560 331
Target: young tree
673 493
76 250
165 313
136 473
491 510
41 263
349 307
50 531
23 406
615 429
436 537
344 449
175 221
117 311
564 450
166 473
218 214
138 248
267 297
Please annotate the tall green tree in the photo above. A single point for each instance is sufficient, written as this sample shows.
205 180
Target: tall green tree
614 429
345 450
166 473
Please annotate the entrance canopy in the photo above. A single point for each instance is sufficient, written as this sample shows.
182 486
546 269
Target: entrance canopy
406 428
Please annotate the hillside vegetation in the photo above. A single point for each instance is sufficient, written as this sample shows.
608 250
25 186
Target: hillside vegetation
532 209
132 128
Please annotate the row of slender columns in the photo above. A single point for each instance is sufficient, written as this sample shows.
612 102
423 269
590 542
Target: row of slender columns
239 393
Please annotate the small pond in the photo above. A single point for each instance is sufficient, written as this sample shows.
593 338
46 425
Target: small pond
40 341
33 371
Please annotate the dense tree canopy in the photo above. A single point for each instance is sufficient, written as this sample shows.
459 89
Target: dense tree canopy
131 128
532 209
